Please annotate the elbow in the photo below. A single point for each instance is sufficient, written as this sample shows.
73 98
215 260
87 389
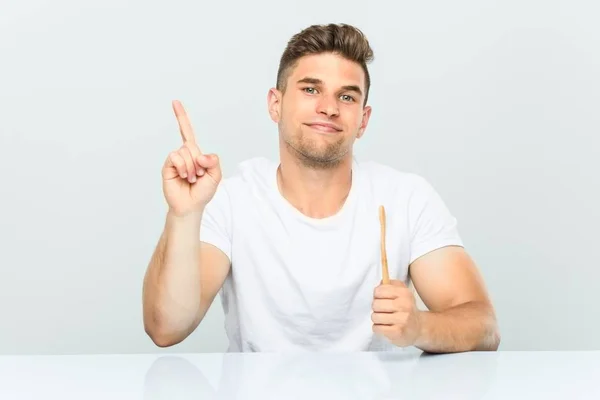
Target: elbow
161 338
167 333
491 344
159 333
492 337
491 340
496 339
496 336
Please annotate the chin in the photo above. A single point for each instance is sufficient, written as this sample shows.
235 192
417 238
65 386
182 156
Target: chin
319 163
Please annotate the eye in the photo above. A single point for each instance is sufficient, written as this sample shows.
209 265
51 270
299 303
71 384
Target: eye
347 97
310 90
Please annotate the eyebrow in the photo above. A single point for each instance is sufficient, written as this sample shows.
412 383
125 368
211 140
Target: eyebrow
315 81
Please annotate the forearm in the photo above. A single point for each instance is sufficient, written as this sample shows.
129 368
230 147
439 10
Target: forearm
467 327
172 283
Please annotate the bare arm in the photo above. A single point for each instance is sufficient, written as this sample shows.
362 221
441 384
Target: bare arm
182 280
460 316
184 274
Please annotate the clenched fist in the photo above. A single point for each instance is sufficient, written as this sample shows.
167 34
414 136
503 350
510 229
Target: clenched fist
190 178
395 313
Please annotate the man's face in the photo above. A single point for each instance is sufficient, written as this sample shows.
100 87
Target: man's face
321 113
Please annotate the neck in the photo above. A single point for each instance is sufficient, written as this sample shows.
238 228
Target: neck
315 192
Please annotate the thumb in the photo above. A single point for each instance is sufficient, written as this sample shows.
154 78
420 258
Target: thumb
208 161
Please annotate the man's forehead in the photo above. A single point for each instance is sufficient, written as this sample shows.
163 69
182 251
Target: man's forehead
329 69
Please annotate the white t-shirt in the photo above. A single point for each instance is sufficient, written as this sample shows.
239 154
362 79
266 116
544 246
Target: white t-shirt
304 284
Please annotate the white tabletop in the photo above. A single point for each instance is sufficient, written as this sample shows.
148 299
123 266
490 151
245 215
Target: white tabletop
401 375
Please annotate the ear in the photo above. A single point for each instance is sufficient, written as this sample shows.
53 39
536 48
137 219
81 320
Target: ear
274 103
364 122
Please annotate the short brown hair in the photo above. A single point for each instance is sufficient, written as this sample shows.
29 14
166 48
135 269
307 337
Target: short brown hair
345 40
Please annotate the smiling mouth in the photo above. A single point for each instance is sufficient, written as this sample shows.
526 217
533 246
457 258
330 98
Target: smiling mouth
324 128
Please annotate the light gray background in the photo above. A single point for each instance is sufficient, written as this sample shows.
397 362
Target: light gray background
495 103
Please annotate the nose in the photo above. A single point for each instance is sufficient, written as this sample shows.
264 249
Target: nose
328 107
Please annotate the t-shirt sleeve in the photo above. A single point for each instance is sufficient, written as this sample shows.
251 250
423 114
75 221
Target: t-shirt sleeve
216 224
432 226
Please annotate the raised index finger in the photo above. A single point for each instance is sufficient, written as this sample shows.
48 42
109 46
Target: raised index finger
185 126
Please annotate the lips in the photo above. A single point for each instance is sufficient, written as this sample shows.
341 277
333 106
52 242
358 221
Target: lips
324 127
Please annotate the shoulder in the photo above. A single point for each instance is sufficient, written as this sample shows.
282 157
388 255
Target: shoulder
391 181
251 171
251 176
250 179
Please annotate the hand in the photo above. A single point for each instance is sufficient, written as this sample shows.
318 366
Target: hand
395 314
190 178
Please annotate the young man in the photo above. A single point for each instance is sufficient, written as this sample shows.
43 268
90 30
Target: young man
294 246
